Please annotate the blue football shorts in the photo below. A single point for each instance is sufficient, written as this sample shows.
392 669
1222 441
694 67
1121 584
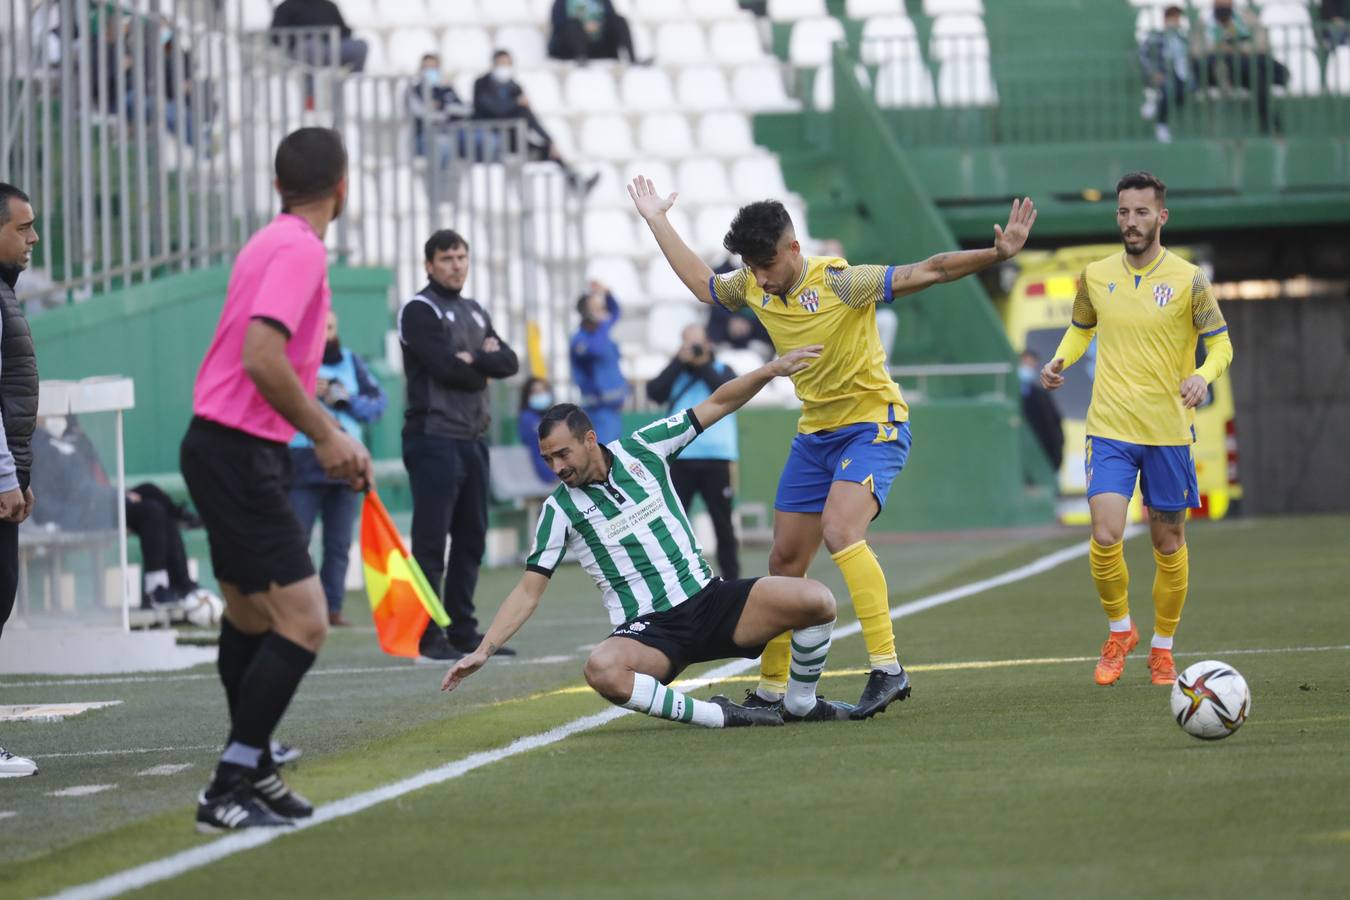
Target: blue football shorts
1166 474
869 453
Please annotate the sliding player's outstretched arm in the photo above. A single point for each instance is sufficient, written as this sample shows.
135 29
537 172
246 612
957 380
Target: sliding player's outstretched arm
693 271
519 605
944 267
737 392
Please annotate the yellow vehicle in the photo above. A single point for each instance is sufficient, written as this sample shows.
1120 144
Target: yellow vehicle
1036 311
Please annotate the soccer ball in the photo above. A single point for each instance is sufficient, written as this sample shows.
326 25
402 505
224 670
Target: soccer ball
203 608
1210 700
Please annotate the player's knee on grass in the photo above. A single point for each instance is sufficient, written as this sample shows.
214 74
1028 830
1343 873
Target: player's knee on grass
608 676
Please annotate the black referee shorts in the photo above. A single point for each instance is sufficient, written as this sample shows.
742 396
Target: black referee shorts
239 485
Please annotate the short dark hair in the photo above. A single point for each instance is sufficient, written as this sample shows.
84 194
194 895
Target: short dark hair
756 230
569 414
445 239
529 386
310 163
1173 10
1141 180
500 52
431 55
7 193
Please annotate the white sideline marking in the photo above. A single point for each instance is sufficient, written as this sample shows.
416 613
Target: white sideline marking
82 790
133 750
166 769
50 712
7 814
185 861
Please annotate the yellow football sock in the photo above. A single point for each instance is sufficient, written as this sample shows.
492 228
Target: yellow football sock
867 586
773 665
1112 578
1169 590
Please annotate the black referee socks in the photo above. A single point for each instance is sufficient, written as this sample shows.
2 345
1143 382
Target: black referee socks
266 688
236 651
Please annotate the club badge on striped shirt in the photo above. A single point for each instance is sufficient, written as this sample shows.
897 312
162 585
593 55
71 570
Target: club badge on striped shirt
810 300
1162 293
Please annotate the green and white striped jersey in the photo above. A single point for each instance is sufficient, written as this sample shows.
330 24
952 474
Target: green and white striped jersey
630 532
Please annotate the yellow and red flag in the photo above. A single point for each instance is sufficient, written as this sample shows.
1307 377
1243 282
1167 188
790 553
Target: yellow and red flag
401 600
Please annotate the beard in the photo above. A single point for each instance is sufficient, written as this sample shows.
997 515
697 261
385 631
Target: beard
1141 241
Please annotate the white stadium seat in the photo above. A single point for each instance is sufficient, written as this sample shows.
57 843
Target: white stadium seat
970 7
1305 74
1338 72
966 82
666 321
377 63
561 131
812 39
659 171
590 90
725 134
889 38
526 43
863 9
760 88
647 89
665 135
702 89
758 177
609 232
618 274
663 284
654 11
785 10
681 43
960 36
712 10
405 12
606 136
609 189
466 48
735 42
904 82
404 48
822 87
358 14
1285 14
710 226
541 89
505 12
703 180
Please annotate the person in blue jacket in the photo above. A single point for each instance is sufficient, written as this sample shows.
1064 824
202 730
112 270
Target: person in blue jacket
595 363
535 398
347 390
704 467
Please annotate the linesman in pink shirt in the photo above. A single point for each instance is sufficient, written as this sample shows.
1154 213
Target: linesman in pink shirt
254 390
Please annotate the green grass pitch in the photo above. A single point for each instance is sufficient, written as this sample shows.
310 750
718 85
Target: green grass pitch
1007 774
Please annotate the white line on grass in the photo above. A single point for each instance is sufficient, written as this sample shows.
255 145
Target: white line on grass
132 751
185 861
82 790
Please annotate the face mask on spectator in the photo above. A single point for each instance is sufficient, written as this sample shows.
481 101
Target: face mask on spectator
165 35
1223 14
540 402
332 352
55 425
1026 374
431 76
501 73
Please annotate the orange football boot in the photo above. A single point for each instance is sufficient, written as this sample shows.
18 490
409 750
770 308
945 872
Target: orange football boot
1114 651
1161 667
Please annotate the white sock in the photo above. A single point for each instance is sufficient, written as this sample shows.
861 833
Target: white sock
241 755
1122 625
1161 643
652 698
809 649
157 578
770 696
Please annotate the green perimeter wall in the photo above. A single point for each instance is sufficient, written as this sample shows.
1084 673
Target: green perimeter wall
157 333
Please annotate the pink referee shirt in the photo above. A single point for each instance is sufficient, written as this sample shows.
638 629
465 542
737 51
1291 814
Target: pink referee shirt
280 274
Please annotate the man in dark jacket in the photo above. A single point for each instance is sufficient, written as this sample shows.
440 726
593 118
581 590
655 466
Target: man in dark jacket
1040 411
497 95
18 410
313 50
450 350
589 29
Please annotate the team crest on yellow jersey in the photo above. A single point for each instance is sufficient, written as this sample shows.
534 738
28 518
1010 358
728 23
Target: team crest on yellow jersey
1162 294
810 300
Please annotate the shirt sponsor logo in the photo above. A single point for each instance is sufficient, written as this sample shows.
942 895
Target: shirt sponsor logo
616 529
1162 294
810 300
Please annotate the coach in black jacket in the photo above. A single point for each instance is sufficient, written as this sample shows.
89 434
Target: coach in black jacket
450 350
18 410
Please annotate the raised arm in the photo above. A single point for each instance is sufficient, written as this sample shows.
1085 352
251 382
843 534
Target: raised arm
519 605
691 268
737 392
945 267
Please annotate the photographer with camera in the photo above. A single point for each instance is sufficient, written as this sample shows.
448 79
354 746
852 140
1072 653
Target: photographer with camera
704 467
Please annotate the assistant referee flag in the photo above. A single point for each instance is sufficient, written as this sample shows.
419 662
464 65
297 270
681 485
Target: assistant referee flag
401 600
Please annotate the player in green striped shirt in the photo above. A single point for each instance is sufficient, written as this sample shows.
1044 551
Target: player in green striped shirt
617 512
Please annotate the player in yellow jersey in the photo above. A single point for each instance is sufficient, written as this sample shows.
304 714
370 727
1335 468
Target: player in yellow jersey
853 435
1147 308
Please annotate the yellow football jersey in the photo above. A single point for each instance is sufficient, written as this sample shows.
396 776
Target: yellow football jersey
1147 323
833 304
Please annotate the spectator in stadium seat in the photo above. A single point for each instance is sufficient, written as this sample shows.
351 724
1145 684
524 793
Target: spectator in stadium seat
704 467
314 50
535 399
1235 50
595 362
347 390
589 29
1335 30
436 105
1165 57
497 96
18 411
1040 410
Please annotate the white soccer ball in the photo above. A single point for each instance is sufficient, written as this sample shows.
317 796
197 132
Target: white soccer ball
1210 700
203 608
